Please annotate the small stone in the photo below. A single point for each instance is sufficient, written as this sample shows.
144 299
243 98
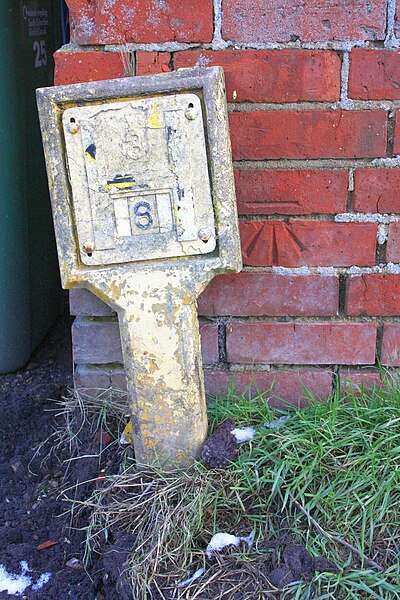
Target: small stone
75 563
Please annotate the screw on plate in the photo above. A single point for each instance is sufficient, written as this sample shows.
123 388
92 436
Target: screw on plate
191 112
88 248
72 126
204 234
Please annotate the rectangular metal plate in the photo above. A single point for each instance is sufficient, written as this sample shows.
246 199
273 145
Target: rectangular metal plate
139 178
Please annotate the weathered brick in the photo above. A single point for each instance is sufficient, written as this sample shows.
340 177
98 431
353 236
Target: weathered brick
354 381
78 67
118 378
97 378
391 345
92 377
266 191
98 342
308 134
301 343
209 343
140 21
307 21
393 243
262 294
396 137
377 190
83 303
272 75
297 243
279 387
148 63
95 342
374 74
373 294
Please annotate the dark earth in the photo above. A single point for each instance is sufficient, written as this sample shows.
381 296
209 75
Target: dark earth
32 511
37 524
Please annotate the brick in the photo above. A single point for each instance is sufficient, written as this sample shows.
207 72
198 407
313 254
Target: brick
148 63
140 21
78 67
391 345
95 342
92 377
278 387
308 134
85 304
97 378
297 243
396 137
373 295
209 343
374 74
355 381
377 190
301 343
267 191
308 21
118 378
98 342
262 294
393 243
272 75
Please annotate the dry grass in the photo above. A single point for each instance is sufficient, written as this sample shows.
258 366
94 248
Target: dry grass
337 460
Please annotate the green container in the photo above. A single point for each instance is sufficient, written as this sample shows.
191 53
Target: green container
30 292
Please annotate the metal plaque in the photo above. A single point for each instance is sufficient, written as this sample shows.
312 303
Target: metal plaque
139 178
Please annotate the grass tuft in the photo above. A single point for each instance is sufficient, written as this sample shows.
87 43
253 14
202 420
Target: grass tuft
329 476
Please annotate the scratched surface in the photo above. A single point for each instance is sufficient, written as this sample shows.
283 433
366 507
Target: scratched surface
139 178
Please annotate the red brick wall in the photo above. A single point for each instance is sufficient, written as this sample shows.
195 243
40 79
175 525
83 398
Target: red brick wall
313 90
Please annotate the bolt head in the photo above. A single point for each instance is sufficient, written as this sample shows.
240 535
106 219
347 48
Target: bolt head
191 113
204 234
88 247
72 128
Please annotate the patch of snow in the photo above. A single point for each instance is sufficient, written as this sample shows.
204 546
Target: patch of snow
195 576
43 579
243 435
16 584
222 540
277 423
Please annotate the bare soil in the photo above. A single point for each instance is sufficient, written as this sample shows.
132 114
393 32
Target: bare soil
32 513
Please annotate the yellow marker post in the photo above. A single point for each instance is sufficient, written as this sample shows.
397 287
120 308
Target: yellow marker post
144 209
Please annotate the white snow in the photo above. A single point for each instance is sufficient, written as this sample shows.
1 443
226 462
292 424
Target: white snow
277 423
243 435
43 579
16 584
221 540
195 576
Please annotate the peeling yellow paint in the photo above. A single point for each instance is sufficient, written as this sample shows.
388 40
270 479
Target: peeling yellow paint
153 287
119 185
154 120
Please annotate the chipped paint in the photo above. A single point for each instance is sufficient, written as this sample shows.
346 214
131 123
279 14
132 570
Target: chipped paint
154 121
150 274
